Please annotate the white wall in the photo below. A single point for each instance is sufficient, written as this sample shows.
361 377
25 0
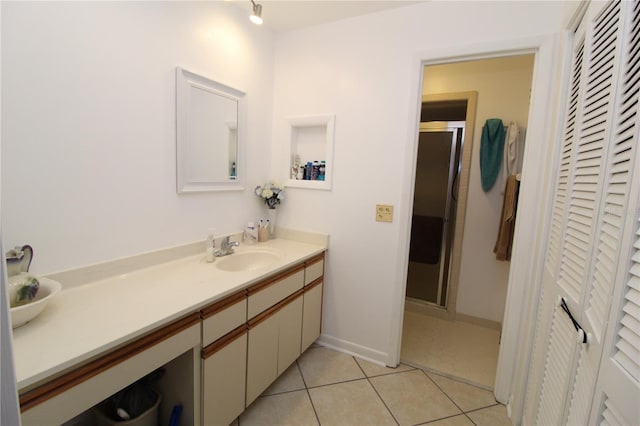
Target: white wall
88 135
504 87
361 70
88 150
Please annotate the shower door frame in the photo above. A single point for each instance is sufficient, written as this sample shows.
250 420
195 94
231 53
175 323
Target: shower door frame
446 246
449 311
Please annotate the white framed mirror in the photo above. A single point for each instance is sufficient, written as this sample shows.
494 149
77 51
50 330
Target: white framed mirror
210 134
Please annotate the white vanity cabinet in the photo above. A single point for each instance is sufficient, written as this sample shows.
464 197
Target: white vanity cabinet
224 359
290 331
173 347
274 343
224 373
312 307
281 332
312 314
253 336
275 332
217 360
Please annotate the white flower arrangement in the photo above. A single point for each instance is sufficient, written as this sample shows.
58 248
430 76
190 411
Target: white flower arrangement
272 193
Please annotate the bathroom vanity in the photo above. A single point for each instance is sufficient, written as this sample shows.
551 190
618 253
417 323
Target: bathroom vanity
221 333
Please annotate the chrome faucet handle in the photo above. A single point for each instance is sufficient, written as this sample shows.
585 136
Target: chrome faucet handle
224 244
226 247
231 245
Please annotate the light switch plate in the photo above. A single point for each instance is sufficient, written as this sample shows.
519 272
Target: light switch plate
384 213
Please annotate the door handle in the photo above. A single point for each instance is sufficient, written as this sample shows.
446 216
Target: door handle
583 336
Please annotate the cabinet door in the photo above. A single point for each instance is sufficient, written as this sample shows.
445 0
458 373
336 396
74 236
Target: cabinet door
262 357
224 383
311 316
290 332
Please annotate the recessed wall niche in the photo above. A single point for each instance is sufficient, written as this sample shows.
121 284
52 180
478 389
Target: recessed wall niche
311 151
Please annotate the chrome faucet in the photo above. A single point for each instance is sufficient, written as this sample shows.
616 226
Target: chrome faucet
226 247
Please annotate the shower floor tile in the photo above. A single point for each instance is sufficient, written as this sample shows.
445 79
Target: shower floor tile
453 348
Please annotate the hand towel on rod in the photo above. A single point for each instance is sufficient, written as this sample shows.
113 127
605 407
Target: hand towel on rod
491 151
512 149
507 226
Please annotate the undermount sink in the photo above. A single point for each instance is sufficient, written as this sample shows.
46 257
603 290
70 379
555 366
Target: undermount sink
246 261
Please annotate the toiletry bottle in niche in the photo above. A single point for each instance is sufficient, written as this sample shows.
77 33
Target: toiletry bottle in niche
211 246
300 175
233 171
308 170
322 171
315 170
295 166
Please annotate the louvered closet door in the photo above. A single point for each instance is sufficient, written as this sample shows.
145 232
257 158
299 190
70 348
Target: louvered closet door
617 393
553 344
579 209
615 204
549 291
590 201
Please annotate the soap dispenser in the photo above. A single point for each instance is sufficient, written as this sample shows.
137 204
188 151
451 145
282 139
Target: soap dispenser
211 246
251 234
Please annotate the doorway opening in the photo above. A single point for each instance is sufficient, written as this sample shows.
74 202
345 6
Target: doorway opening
456 287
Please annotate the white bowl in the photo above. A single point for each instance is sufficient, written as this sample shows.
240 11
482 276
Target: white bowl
20 315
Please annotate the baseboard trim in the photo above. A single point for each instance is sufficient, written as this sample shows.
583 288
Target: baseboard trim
494 325
353 349
421 307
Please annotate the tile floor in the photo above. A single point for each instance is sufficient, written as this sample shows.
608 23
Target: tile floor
326 387
454 348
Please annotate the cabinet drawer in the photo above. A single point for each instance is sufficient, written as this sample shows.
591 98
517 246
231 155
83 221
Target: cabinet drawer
268 293
223 317
314 269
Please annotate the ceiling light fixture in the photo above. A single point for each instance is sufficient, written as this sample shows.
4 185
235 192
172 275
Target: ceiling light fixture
256 16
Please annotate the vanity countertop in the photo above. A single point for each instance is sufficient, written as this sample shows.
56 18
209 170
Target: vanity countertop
85 321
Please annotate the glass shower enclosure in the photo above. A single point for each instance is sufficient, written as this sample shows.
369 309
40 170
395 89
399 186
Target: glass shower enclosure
434 210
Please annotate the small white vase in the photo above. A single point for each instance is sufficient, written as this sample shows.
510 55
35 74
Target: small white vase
271 215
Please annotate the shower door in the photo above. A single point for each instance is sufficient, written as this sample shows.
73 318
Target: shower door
434 208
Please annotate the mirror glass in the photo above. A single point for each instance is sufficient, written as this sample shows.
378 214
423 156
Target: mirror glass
210 120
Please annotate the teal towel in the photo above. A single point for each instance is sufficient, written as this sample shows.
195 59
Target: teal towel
491 147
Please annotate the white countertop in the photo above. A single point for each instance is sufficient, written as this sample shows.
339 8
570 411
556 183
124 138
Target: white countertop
85 321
